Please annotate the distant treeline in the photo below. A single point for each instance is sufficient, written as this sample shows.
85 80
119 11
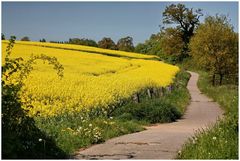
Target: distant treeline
123 44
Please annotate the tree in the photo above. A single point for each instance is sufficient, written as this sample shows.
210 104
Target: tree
87 42
186 18
151 46
107 43
25 38
3 37
172 45
141 48
215 47
42 40
125 44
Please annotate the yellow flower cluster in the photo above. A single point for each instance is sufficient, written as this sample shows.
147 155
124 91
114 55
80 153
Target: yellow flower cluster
90 80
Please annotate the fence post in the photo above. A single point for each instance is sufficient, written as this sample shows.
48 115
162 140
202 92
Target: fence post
136 98
156 92
149 92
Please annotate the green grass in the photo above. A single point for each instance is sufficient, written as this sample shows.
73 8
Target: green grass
72 132
166 108
221 140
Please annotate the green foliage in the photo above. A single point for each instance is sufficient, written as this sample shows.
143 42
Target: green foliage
218 142
151 46
172 45
168 108
215 47
153 111
3 37
177 39
20 137
125 44
186 18
42 40
25 38
75 131
221 140
87 42
107 43
141 48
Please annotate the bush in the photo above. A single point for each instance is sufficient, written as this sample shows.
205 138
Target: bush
20 137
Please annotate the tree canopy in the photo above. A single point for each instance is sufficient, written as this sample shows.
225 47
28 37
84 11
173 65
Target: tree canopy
87 42
25 38
172 44
107 43
215 47
186 19
125 44
3 37
42 40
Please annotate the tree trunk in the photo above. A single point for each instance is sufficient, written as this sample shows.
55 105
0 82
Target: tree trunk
213 79
221 79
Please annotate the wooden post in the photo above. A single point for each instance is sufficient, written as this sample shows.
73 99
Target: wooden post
156 92
161 91
136 98
149 92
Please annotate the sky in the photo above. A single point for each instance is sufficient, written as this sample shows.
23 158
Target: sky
59 21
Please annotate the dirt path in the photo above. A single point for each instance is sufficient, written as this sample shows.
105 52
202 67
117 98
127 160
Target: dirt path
164 140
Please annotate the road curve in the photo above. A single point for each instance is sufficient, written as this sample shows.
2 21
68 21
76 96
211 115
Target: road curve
162 141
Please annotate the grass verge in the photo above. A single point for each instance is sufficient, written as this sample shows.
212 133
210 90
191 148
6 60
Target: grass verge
221 140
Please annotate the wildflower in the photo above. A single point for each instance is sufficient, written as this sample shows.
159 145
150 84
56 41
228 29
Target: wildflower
214 138
90 125
111 117
194 142
40 140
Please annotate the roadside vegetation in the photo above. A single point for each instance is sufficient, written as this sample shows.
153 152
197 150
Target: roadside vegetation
59 136
221 140
72 132
214 50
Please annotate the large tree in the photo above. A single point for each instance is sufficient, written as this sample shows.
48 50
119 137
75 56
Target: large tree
107 43
186 19
215 47
125 44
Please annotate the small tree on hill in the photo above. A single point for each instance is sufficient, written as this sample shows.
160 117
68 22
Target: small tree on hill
3 37
125 44
107 43
42 40
25 38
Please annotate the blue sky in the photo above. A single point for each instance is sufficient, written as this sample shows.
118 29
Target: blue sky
60 21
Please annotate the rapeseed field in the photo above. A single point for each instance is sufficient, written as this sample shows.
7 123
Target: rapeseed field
91 80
